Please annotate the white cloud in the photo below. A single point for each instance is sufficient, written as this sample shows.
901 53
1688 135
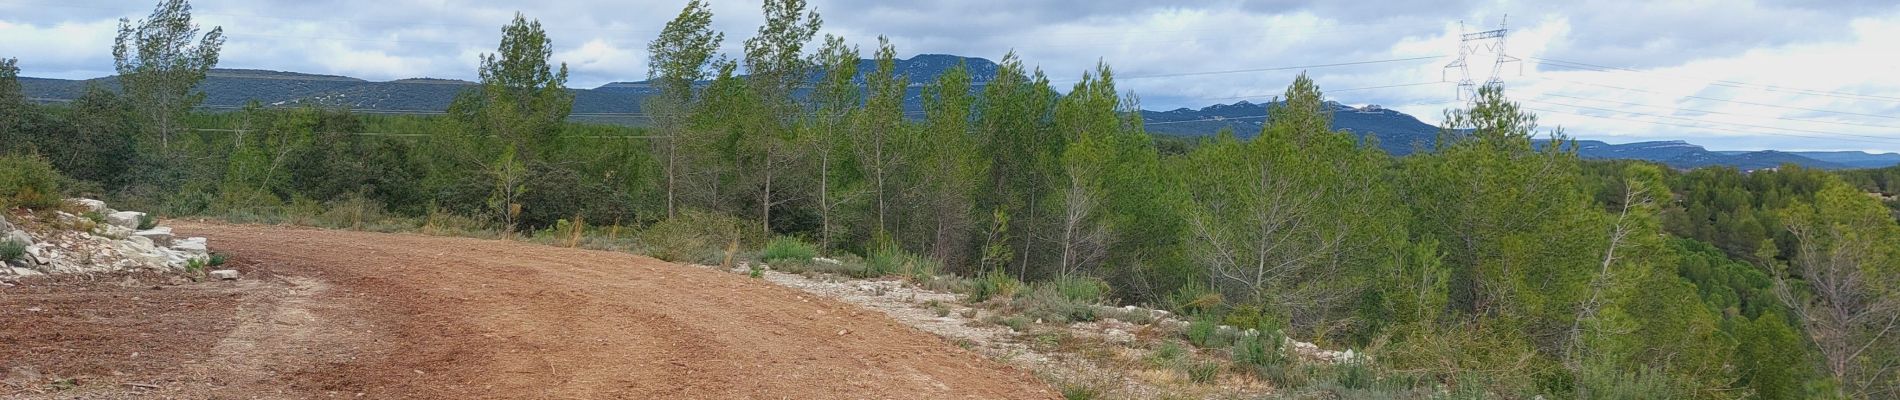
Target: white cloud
1682 48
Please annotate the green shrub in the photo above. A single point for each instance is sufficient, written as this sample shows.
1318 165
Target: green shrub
994 284
787 249
697 236
890 260
1260 350
194 265
147 221
1081 289
1166 355
1194 298
28 181
217 259
11 250
1205 333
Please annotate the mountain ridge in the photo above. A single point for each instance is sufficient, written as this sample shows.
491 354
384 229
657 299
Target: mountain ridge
618 102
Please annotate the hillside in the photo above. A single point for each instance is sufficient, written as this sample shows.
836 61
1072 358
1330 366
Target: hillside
619 103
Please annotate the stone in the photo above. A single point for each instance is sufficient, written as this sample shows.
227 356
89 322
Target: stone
19 237
92 205
225 274
115 232
128 219
191 245
160 236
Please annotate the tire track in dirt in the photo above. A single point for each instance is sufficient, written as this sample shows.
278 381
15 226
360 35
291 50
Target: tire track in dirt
470 318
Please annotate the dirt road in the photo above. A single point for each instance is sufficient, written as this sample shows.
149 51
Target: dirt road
353 314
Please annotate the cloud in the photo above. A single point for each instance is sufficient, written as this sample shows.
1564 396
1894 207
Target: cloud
1683 48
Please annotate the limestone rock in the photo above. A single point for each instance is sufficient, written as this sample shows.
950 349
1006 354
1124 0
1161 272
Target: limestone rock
115 231
225 274
18 237
128 219
92 205
192 245
160 236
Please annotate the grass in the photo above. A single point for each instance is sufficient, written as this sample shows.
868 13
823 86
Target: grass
994 284
11 250
1201 372
787 249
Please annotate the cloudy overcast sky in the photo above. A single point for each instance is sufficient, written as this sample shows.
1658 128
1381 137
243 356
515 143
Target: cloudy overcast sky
1789 75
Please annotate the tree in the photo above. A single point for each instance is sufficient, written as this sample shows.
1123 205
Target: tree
953 169
12 100
1023 151
160 61
837 96
522 100
879 134
776 65
510 178
679 59
1297 219
1847 260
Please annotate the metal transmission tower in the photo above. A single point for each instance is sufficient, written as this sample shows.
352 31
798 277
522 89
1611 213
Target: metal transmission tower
1472 43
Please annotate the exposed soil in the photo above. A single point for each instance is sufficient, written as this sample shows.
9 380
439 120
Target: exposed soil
353 314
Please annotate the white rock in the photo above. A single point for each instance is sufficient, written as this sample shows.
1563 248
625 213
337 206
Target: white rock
831 261
160 236
115 231
128 219
1118 336
19 237
191 245
92 205
225 274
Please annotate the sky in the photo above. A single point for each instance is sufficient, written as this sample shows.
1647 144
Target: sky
1729 75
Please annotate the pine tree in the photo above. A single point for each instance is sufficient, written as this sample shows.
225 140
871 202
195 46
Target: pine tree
160 61
679 60
838 97
776 65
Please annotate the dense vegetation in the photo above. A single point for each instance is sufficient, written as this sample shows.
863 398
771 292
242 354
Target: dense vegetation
1492 264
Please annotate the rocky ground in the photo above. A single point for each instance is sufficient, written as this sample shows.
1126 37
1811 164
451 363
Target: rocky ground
88 237
1111 357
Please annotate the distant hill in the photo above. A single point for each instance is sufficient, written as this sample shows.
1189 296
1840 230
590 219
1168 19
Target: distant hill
619 103
1400 134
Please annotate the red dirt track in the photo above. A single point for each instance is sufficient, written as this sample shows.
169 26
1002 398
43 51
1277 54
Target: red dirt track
368 315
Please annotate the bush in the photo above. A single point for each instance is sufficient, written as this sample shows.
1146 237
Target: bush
1262 350
787 249
994 284
1086 290
1205 333
697 236
890 260
11 250
28 181
217 259
147 221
